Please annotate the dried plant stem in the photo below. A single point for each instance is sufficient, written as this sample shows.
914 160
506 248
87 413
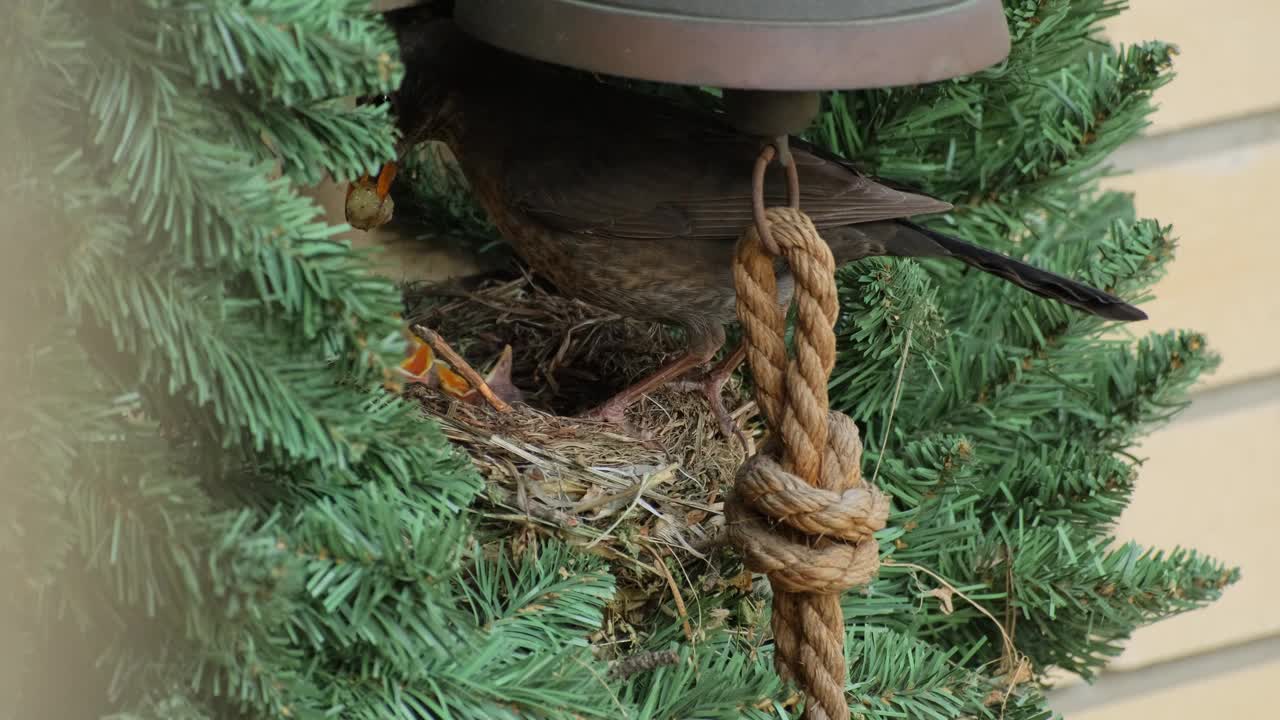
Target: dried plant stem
1010 650
662 568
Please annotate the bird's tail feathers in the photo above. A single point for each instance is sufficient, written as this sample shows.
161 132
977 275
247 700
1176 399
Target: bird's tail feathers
1033 279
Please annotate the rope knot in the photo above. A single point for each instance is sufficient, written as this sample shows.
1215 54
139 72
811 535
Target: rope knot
806 520
809 539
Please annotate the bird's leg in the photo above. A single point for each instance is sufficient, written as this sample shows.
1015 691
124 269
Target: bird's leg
702 347
613 409
713 385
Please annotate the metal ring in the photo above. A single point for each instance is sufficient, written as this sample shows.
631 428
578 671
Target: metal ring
757 200
793 185
757 195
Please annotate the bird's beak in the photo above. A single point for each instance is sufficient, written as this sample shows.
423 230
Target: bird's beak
386 176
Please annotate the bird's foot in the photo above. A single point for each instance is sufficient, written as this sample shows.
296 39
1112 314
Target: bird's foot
614 413
712 386
614 409
611 412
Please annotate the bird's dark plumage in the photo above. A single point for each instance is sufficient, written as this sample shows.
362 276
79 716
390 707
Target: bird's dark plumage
634 203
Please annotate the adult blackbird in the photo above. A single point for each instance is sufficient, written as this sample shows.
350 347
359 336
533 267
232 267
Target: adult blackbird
634 204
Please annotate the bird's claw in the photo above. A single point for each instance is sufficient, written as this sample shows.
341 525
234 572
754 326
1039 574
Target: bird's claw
611 413
615 414
712 387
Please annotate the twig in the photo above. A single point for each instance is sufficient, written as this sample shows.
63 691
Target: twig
593 472
588 504
565 342
696 598
708 542
453 358
675 593
893 407
744 410
1010 650
542 513
509 309
641 485
1010 612
1012 666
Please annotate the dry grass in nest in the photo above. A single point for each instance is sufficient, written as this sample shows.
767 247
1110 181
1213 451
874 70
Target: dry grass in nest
631 494
568 355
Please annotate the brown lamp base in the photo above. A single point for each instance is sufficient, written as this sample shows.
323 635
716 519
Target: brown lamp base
751 44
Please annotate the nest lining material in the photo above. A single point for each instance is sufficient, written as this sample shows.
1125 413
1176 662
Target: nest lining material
613 490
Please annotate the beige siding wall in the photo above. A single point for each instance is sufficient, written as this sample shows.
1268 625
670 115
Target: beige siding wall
1236 693
1212 480
1223 279
1228 64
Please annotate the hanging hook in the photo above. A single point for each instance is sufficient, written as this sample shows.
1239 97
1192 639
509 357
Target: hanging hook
780 149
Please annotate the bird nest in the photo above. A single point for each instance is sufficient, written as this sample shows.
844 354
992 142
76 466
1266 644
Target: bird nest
635 493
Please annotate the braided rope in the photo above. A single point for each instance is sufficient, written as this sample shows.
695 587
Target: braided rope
806 522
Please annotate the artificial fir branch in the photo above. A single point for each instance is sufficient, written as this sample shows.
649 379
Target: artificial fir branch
226 516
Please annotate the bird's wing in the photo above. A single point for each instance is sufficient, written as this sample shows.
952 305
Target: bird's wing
677 175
